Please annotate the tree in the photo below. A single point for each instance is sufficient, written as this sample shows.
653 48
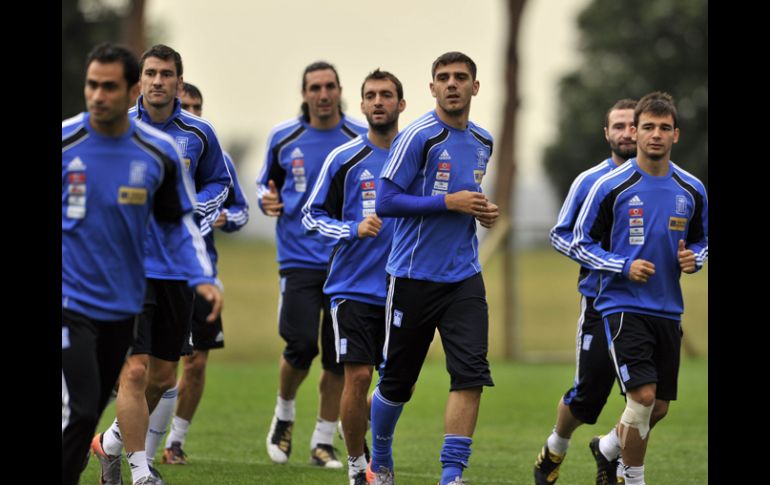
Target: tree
629 50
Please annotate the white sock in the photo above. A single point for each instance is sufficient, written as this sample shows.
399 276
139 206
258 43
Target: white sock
356 465
179 427
285 410
609 445
634 475
620 467
138 463
159 421
112 443
557 444
323 433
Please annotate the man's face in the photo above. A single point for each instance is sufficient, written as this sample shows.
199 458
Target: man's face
159 82
453 87
107 93
619 133
322 94
193 105
656 136
380 104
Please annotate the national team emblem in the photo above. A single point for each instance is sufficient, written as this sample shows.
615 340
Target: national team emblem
367 185
181 145
481 157
478 175
636 212
136 172
445 166
681 204
398 315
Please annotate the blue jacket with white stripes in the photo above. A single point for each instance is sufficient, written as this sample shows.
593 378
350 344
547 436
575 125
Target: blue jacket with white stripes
342 197
631 215
295 153
561 233
111 188
235 210
430 159
201 153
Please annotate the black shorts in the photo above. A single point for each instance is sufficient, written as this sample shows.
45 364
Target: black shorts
92 354
165 321
414 310
645 349
205 335
299 315
595 373
359 331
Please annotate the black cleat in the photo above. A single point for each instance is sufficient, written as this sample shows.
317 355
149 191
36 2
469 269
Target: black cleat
547 466
606 470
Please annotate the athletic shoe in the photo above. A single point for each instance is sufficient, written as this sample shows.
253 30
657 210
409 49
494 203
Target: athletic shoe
547 466
110 465
279 440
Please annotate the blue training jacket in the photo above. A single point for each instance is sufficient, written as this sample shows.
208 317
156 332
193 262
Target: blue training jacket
295 153
111 188
344 194
631 215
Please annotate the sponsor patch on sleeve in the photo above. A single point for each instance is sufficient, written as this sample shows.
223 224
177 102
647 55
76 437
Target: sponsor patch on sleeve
677 223
132 195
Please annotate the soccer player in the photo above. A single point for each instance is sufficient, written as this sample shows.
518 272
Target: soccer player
205 335
116 172
432 184
594 375
341 207
641 226
296 149
167 314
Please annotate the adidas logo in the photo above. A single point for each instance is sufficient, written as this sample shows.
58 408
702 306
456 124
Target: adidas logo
297 153
635 201
220 337
444 155
77 164
366 175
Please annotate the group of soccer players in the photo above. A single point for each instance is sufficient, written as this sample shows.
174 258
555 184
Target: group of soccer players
376 231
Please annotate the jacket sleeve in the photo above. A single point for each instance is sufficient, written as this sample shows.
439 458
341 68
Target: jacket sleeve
323 211
236 208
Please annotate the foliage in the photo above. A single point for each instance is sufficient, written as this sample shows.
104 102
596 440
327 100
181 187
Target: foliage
630 49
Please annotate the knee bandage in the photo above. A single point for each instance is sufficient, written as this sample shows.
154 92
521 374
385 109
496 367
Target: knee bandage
636 415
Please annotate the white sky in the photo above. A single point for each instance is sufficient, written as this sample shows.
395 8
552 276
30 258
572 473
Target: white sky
247 58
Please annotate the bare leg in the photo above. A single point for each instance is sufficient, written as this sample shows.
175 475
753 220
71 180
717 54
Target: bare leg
131 404
191 384
290 380
462 411
354 406
330 388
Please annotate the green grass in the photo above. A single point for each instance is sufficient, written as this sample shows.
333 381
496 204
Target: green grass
226 442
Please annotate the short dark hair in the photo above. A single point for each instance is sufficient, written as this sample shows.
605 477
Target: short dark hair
377 74
192 90
625 103
451 58
316 66
164 53
658 104
106 53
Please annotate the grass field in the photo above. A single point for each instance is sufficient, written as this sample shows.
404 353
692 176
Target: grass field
227 440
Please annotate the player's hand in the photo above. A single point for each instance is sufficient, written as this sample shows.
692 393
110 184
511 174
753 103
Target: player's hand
490 215
271 201
369 227
686 258
212 295
221 220
467 202
641 270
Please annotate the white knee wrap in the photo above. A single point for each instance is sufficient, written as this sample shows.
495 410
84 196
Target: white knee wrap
636 415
